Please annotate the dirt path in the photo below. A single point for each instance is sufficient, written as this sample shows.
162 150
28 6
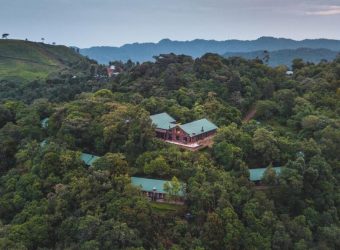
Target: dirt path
251 113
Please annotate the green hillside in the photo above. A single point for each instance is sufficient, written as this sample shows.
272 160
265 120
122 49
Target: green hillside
27 61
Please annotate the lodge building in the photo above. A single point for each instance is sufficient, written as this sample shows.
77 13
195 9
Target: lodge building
154 189
189 133
256 174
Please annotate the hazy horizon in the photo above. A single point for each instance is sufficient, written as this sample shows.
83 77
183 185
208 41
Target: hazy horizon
173 40
87 23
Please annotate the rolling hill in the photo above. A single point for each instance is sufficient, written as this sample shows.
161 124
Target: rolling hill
27 61
145 51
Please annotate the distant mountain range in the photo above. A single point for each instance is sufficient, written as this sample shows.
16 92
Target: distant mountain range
282 50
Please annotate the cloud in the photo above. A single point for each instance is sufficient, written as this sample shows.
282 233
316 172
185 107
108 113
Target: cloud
326 11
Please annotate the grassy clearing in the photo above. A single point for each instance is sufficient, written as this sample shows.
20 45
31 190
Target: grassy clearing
165 208
18 70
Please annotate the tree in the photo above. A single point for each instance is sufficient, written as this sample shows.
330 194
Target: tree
297 64
266 144
32 233
5 116
269 176
290 188
226 154
281 239
213 232
173 188
116 163
217 111
285 99
157 166
10 136
266 109
330 235
234 135
266 56
5 35
233 229
310 122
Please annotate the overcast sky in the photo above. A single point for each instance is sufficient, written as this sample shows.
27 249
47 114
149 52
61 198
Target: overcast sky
87 23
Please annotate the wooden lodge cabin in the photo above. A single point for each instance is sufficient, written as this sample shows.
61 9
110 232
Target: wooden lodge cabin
256 174
192 132
154 189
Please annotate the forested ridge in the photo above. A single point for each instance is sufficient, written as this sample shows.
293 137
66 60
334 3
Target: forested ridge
278 47
286 56
49 199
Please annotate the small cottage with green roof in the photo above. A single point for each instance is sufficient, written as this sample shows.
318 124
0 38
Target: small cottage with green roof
88 159
257 174
189 133
154 188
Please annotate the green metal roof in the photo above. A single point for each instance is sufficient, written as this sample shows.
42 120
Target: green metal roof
256 174
149 184
198 127
88 159
44 123
163 121
43 143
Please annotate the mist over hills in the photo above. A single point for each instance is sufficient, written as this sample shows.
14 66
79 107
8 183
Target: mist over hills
142 52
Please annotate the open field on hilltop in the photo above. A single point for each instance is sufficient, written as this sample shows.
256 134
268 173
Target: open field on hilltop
27 61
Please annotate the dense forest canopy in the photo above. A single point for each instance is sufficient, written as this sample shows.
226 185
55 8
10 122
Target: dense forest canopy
287 56
49 199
